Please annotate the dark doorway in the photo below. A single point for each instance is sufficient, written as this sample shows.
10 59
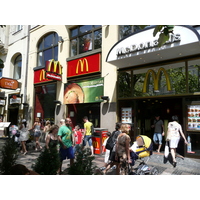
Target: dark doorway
166 108
13 115
91 110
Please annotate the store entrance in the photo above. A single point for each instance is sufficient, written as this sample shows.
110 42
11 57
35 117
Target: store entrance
13 115
91 110
146 109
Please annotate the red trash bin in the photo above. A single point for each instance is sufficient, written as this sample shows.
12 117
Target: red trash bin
98 138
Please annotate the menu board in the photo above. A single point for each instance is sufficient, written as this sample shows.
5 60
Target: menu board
126 115
194 117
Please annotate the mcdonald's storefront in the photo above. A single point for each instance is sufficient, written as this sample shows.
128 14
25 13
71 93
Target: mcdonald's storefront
45 84
160 80
84 88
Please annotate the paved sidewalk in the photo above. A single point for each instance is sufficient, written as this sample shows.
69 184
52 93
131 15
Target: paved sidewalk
186 166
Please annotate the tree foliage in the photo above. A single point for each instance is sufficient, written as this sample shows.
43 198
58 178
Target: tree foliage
164 32
9 156
48 162
83 164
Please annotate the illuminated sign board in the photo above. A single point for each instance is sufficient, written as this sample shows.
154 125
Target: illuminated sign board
82 66
8 83
52 71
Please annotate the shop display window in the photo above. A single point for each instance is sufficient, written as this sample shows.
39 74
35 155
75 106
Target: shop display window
193 118
44 101
169 79
193 148
160 80
193 75
124 80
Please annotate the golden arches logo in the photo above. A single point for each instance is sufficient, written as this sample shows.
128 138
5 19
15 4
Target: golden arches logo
82 63
95 144
156 77
55 65
103 139
42 75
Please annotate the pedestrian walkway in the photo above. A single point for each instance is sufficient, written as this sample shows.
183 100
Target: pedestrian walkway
186 166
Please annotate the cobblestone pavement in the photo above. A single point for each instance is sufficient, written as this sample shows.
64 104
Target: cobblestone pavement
186 166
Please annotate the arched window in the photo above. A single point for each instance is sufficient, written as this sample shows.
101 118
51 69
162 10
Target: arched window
47 49
17 67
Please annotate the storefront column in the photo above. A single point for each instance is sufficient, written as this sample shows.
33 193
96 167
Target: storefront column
108 115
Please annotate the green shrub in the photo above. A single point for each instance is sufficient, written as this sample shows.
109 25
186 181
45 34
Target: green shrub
48 162
83 164
9 156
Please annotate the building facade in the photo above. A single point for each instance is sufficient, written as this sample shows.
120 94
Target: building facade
14 54
110 73
74 54
160 80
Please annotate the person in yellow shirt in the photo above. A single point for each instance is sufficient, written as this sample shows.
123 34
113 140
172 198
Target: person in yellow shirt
87 134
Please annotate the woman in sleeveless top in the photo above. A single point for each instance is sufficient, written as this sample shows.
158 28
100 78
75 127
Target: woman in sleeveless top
52 137
46 129
175 131
122 147
24 136
37 132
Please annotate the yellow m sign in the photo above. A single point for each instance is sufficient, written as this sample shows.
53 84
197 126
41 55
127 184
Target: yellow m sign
55 65
42 75
95 144
156 79
82 63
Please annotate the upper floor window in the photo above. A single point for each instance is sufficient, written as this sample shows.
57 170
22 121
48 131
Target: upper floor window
85 38
17 67
47 49
18 27
125 30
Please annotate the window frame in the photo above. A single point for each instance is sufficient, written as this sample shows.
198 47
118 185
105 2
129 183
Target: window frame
81 35
185 67
16 67
42 49
131 31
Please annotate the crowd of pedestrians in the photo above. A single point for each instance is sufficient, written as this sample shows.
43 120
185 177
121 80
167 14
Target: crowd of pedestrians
63 137
117 145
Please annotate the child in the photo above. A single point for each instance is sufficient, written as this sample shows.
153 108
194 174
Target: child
107 154
78 138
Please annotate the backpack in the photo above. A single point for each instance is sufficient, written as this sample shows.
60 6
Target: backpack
92 130
112 140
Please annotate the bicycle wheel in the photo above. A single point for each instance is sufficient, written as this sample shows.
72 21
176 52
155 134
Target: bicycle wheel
124 170
154 171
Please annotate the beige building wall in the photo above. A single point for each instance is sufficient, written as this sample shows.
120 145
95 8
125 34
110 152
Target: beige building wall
63 53
16 43
109 72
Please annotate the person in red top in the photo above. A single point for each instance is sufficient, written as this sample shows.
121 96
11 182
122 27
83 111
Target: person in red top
78 138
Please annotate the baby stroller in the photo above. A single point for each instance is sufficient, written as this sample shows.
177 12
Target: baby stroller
142 148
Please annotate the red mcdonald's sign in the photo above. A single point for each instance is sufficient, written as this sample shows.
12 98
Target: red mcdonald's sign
53 70
40 76
85 65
